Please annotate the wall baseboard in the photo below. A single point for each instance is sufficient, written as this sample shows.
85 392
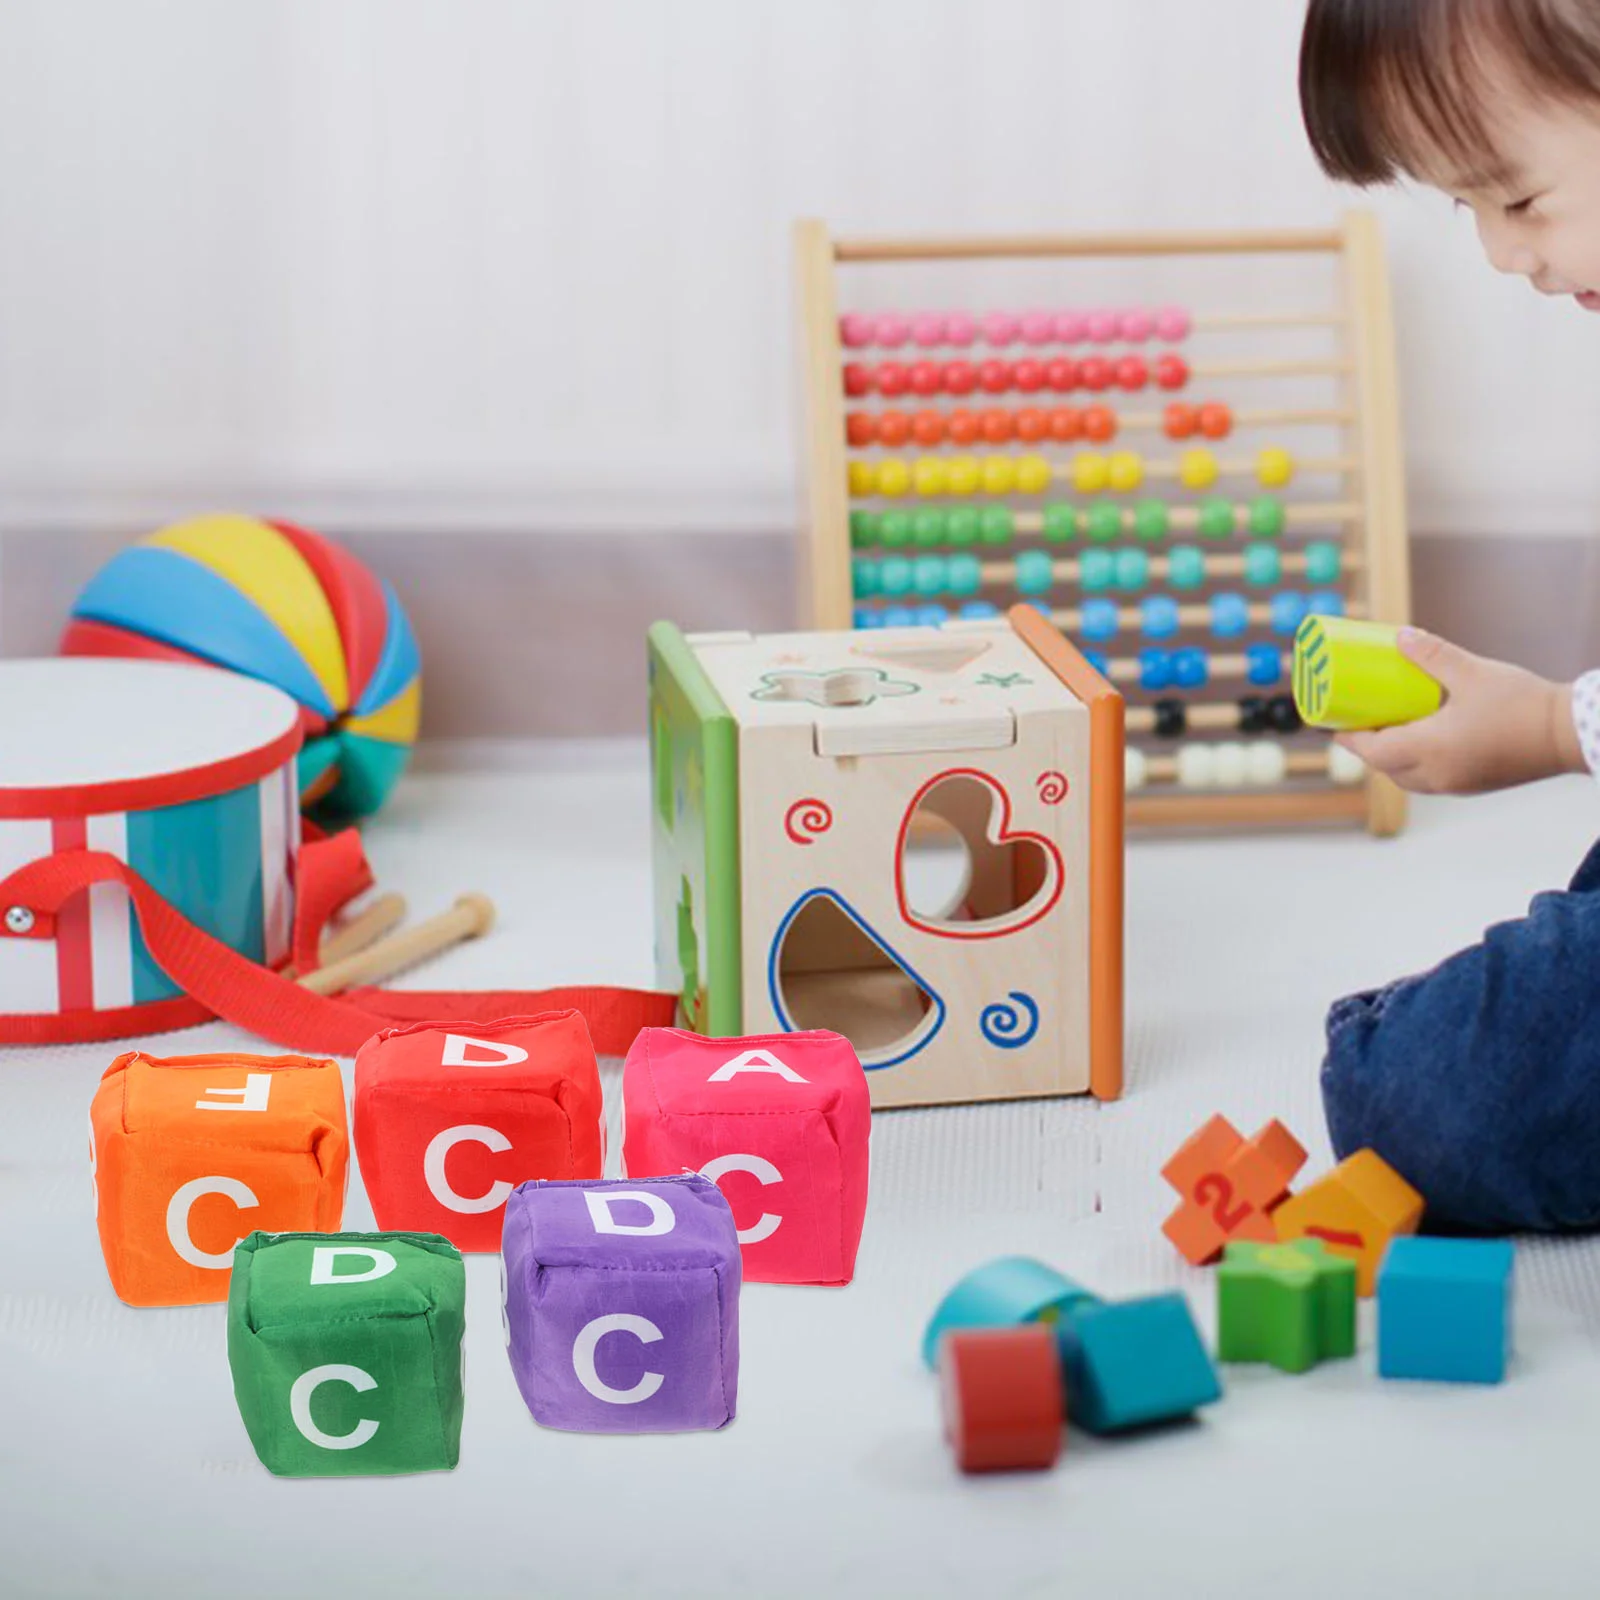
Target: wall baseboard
543 637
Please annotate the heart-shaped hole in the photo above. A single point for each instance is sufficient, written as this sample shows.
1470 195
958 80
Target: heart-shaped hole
831 969
962 871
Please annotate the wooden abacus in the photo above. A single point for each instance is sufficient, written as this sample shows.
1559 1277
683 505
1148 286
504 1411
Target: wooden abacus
918 513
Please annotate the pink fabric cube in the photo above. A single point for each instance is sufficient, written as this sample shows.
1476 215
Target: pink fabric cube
779 1122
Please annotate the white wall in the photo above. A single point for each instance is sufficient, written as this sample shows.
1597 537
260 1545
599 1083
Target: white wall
523 263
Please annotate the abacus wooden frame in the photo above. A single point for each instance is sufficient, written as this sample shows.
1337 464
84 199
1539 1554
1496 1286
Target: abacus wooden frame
1372 436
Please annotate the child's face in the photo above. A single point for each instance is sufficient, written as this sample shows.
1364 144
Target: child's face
1537 205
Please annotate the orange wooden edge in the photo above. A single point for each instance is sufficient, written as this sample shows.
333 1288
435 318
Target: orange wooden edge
1105 708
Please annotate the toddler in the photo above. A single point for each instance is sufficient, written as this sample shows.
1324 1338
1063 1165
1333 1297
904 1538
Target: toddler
1479 1080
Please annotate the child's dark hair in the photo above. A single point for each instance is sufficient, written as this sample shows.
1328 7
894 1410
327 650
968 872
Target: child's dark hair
1388 85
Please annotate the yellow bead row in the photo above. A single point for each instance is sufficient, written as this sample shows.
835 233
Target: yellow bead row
1089 472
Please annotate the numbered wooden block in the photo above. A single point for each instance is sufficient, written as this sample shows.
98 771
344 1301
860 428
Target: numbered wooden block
1002 1398
450 1118
780 1123
1130 1363
1444 1310
190 1153
622 1304
1230 1186
346 1351
1003 1293
1355 1210
1291 1305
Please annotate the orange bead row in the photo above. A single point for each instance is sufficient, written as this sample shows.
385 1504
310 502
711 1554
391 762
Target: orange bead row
1029 425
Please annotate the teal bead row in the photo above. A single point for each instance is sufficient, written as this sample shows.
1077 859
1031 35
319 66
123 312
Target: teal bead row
1098 570
1098 523
895 577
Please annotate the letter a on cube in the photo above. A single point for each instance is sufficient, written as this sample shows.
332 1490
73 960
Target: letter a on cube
622 1304
450 1117
346 1351
191 1153
781 1124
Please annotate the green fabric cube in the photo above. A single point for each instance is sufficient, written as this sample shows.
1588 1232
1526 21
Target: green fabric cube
346 1351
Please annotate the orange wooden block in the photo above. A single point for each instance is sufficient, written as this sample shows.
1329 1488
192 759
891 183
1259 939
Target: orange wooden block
1230 1186
1355 1210
194 1152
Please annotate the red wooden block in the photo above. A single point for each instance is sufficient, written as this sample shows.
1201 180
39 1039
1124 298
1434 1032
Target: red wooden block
451 1117
779 1122
1229 1185
1003 1402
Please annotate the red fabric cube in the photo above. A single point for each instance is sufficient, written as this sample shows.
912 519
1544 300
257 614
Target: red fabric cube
779 1122
451 1116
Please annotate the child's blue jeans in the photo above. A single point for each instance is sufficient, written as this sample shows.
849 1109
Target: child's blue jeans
1479 1081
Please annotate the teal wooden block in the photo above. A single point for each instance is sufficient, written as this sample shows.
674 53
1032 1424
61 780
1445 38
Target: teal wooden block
1444 1310
1002 1294
1134 1362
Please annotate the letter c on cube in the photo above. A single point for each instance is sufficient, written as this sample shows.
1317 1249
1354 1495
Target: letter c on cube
308 1383
433 1168
764 1173
179 1206
590 1335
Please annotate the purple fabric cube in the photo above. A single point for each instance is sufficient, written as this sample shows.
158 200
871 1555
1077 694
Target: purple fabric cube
622 1303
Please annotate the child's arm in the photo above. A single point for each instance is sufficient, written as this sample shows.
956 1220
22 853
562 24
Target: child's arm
1500 725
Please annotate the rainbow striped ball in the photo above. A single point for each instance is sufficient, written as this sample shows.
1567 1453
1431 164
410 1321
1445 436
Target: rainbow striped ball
289 607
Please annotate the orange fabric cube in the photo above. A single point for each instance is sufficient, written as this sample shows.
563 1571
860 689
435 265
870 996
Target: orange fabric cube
192 1153
1355 1210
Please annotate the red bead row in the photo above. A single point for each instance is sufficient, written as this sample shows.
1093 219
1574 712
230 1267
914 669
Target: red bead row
1030 425
1062 375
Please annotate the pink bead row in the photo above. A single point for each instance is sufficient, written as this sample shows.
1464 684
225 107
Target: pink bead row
928 328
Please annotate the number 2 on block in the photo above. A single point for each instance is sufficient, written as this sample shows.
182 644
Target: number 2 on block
1215 1191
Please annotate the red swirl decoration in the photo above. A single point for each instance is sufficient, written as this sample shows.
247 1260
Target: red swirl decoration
1053 787
805 819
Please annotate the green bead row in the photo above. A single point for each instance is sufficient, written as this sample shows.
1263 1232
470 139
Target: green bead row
964 525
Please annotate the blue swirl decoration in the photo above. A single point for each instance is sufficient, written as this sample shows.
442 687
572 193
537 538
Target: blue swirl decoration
1009 1027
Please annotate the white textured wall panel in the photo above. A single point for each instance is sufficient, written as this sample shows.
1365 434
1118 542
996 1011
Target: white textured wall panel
523 263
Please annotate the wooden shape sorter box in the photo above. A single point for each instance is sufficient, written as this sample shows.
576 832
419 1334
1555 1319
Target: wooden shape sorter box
1177 490
912 838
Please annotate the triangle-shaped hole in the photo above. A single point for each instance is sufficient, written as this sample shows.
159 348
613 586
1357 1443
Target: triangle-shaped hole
831 970
927 655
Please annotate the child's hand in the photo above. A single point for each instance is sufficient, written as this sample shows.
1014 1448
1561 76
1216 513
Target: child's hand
1499 725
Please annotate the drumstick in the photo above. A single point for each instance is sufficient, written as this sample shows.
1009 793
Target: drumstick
470 916
388 911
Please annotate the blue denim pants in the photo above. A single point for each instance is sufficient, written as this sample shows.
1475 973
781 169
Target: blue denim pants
1479 1081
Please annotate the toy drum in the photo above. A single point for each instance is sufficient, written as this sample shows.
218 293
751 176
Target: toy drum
186 775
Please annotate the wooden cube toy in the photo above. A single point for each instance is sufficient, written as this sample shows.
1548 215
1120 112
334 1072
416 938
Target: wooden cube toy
1292 1305
622 1304
1230 1186
911 837
346 1351
185 1149
780 1122
1000 1390
1130 1363
1355 1210
450 1118
1444 1310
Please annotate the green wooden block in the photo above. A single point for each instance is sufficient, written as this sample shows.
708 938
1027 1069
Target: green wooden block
694 753
346 1351
1291 1305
